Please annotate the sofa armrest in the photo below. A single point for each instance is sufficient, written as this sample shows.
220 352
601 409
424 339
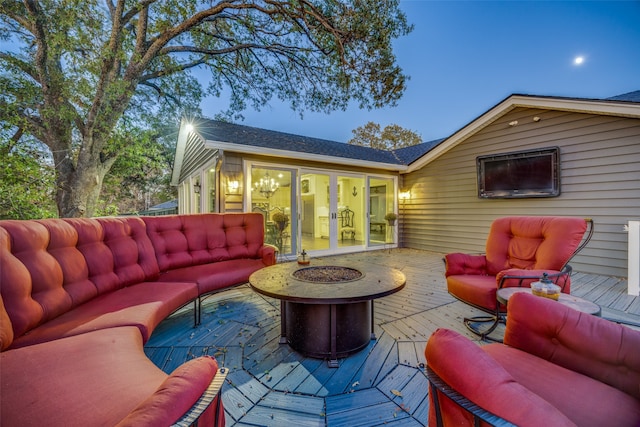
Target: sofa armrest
459 263
211 399
471 372
268 254
187 392
583 343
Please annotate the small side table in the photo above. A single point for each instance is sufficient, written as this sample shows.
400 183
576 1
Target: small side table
572 301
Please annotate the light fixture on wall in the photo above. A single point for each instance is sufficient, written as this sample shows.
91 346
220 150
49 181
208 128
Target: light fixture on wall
196 188
404 195
267 185
513 123
233 186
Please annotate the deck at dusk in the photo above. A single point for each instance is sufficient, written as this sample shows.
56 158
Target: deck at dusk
271 385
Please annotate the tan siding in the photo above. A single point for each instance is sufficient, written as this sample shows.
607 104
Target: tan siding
232 167
196 155
600 179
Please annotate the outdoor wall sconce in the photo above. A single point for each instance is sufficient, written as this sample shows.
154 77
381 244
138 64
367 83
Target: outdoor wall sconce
404 195
196 188
233 186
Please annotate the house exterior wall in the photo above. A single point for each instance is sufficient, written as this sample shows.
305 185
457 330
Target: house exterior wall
231 169
600 179
195 156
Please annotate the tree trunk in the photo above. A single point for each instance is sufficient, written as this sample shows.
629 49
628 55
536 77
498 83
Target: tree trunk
79 183
78 190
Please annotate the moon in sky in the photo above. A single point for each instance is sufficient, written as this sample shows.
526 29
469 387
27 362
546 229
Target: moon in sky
578 60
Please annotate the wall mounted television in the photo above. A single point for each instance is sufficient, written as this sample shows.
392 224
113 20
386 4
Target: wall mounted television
522 174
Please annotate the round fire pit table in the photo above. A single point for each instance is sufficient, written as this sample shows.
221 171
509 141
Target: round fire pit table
326 309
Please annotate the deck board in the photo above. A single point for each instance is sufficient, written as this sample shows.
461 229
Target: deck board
384 384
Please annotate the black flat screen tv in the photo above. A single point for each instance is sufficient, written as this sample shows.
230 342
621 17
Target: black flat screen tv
532 173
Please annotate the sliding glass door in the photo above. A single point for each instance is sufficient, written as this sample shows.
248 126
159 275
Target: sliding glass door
272 195
322 212
332 211
381 202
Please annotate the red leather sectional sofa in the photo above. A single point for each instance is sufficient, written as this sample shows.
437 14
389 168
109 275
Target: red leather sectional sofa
557 367
80 297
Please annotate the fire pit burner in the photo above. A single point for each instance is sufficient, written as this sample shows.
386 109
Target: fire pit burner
327 274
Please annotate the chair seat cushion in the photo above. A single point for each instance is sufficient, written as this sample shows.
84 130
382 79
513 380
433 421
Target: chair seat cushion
479 291
584 400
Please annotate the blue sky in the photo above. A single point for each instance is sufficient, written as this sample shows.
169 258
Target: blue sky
465 57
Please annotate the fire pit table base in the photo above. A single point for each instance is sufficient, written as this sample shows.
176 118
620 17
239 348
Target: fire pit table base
328 331
326 311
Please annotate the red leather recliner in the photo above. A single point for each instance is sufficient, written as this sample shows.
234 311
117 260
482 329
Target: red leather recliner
518 251
557 367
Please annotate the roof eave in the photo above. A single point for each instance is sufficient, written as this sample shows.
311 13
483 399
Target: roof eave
271 152
606 107
180 151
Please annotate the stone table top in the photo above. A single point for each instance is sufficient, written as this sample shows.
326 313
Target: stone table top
278 282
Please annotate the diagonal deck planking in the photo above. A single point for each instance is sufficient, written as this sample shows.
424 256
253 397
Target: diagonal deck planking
384 384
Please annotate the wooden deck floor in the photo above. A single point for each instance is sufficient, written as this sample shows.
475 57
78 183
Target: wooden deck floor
384 384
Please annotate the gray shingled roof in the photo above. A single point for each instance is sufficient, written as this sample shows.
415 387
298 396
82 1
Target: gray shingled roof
629 96
408 155
213 130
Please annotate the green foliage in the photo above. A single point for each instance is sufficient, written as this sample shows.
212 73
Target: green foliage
140 176
390 138
87 78
390 216
26 182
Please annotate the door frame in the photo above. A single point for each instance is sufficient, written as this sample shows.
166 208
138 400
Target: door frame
296 205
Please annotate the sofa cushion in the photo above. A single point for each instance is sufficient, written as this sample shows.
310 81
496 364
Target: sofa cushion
134 259
91 379
186 240
587 344
63 241
587 402
6 331
117 251
31 278
143 305
175 396
215 276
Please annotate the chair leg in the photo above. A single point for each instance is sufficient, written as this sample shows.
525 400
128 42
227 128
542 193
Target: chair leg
494 321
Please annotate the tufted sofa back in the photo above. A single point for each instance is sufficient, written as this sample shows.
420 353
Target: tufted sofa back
117 251
187 240
533 243
32 282
51 266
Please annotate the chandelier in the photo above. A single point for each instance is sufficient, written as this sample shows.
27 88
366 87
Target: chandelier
267 185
